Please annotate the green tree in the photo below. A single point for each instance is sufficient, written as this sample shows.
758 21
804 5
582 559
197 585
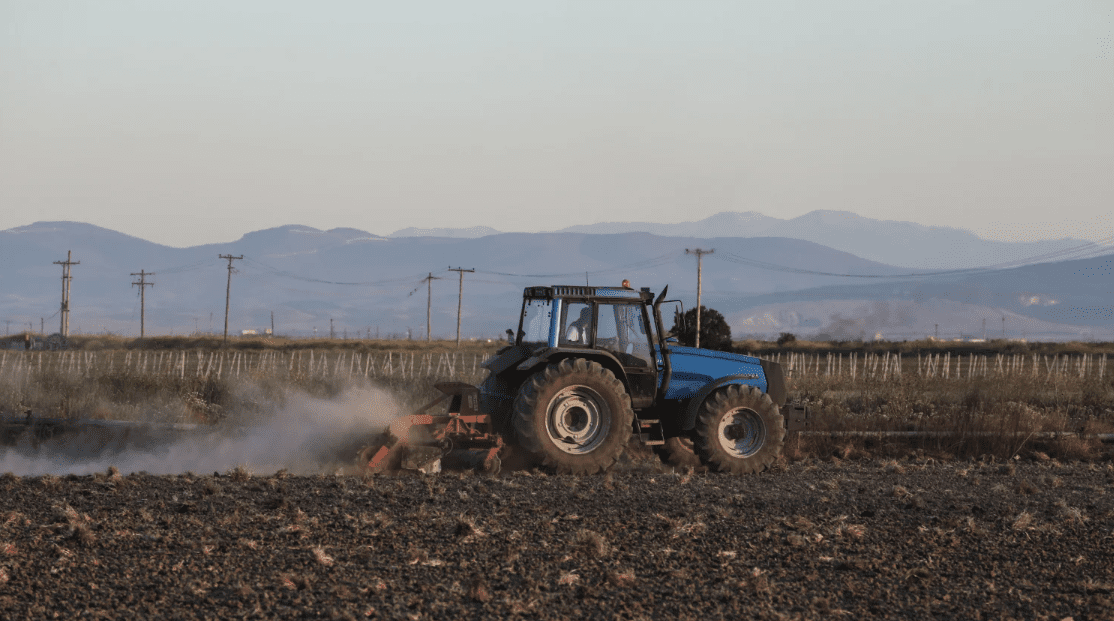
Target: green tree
714 331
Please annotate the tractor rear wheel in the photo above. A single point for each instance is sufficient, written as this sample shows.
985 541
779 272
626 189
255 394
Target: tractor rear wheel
574 417
739 430
678 452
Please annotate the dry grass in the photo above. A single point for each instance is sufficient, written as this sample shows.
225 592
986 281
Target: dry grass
322 557
1023 521
590 543
923 346
208 386
94 342
994 416
966 417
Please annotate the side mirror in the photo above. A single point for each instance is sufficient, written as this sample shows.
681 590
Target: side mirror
671 340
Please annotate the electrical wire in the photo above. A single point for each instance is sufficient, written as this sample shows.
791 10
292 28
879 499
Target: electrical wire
178 269
734 258
1082 251
638 265
402 280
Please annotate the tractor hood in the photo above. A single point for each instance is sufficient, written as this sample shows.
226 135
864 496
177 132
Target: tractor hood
698 353
695 369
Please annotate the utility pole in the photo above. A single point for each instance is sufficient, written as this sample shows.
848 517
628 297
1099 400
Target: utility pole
64 330
7 327
460 298
332 333
699 283
142 284
272 323
228 289
1003 327
429 307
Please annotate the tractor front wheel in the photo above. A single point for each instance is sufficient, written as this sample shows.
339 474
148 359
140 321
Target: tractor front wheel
574 417
739 430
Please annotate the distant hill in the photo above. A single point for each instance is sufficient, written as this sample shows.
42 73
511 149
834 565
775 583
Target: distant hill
885 241
360 282
892 242
468 233
1066 300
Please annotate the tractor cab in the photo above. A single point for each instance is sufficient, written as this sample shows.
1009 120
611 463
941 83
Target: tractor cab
612 325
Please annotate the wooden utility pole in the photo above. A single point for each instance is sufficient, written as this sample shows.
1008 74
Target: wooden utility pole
143 284
460 298
228 289
429 307
64 330
699 283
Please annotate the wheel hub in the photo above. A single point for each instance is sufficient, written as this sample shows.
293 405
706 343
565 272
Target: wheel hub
742 432
578 420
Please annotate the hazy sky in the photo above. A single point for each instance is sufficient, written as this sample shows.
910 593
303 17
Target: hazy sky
195 122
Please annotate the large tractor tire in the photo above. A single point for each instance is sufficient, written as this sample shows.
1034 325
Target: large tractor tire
574 417
739 430
678 452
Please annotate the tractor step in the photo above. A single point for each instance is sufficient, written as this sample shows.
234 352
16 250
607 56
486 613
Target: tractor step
797 417
650 432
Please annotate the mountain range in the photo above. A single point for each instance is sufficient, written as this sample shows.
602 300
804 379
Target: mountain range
354 282
905 244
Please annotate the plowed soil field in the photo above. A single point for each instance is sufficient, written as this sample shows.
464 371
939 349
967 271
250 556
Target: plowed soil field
909 539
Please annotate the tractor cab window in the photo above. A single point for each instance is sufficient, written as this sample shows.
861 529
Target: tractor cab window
536 315
577 324
622 331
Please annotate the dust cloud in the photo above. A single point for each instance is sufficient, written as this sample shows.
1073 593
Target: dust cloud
301 433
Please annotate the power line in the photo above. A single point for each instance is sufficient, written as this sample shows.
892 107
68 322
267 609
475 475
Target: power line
228 290
286 274
1083 251
429 306
189 267
460 298
643 264
64 330
142 284
699 252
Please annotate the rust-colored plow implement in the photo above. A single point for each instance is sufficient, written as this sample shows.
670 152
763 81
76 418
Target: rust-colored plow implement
462 437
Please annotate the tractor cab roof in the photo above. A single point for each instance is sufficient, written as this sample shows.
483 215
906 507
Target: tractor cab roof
587 293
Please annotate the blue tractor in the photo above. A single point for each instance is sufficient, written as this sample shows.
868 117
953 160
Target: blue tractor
590 366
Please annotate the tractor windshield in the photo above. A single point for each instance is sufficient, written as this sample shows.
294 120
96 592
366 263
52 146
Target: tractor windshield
536 318
622 330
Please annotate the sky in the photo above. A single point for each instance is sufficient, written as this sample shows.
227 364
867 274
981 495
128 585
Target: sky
196 122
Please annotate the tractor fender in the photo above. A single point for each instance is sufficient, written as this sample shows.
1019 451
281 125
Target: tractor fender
688 420
550 355
506 358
